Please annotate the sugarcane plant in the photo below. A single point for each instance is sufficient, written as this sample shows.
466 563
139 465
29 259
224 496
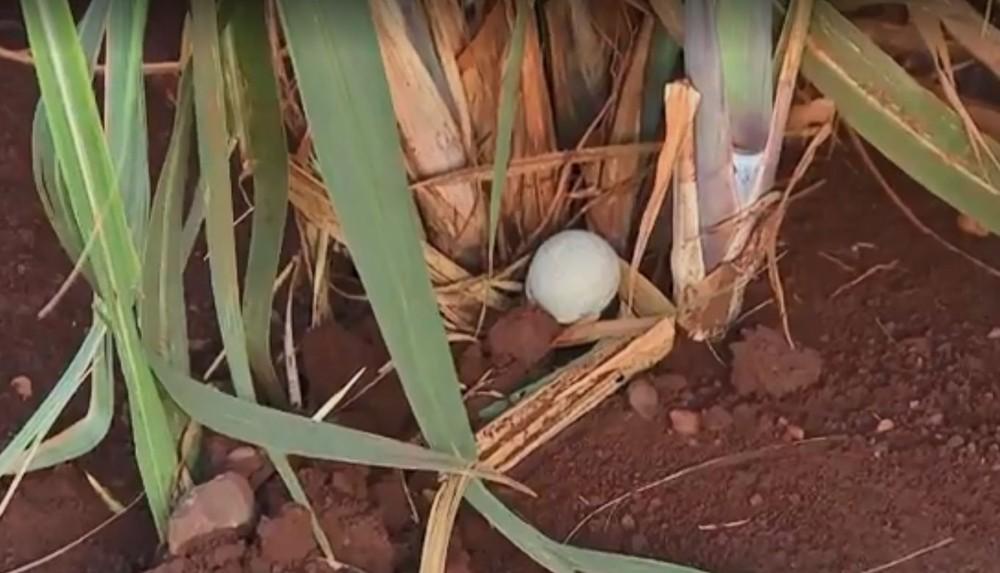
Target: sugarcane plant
723 183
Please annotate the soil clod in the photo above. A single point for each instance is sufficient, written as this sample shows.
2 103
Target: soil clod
643 398
685 422
764 363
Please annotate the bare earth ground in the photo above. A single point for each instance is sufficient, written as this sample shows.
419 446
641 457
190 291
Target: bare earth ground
910 344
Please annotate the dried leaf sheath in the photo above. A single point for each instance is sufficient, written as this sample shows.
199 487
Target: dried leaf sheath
454 214
620 177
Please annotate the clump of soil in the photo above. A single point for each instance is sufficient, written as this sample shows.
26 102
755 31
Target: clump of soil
764 362
347 509
515 346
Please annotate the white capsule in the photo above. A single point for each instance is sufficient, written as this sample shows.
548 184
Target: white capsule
574 275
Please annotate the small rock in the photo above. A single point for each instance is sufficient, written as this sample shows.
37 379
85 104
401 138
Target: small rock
22 387
717 418
971 226
935 419
225 502
885 425
643 398
955 442
994 333
246 461
756 500
795 433
685 422
628 522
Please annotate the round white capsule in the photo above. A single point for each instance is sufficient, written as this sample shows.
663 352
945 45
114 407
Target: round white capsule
574 275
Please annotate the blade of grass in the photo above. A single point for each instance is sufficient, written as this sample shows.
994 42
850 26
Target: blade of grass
510 88
85 434
209 93
97 206
125 110
45 164
164 259
908 124
265 150
45 414
346 99
299 435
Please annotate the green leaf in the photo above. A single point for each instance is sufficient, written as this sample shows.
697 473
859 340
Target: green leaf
334 48
213 152
163 328
510 94
86 433
45 164
97 208
125 110
299 436
265 151
52 406
908 124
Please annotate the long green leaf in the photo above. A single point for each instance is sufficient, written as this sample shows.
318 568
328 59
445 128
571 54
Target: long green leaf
265 150
510 94
48 411
97 206
83 435
125 110
45 163
86 433
213 152
335 48
163 328
908 124
293 434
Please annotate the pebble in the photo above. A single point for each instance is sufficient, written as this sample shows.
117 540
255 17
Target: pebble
628 522
955 442
685 422
994 333
644 399
795 433
936 419
971 226
226 502
885 425
22 386
756 500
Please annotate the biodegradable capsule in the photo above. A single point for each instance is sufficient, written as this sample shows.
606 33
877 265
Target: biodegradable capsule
573 276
